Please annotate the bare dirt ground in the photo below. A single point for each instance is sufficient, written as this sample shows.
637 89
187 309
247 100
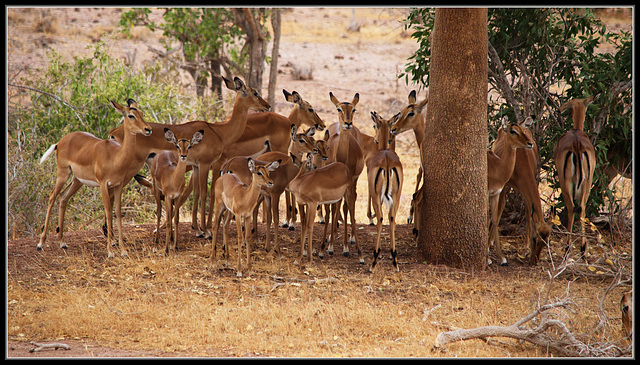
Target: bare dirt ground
366 62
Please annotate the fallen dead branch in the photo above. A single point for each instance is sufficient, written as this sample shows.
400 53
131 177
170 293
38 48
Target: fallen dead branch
54 345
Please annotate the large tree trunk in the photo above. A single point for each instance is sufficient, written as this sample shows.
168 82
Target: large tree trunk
453 224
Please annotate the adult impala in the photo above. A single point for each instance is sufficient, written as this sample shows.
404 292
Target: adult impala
272 127
499 169
523 179
239 199
167 173
575 161
411 118
98 163
346 147
385 177
217 138
311 187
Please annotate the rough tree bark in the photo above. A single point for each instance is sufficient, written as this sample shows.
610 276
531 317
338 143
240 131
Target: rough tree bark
453 226
256 42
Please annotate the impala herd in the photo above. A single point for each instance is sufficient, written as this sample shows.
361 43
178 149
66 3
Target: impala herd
257 157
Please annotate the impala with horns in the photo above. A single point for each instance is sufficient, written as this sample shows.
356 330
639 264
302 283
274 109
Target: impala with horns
99 163
523 179
499 169
385 177
232 195
167 173
575 160
218 137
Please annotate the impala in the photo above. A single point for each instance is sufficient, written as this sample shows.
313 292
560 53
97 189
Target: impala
280 177
324 185
273 127
167 173
411 118
500 169
575 161
239 199
626 308
385 177
97 163
346 147
523 179
218 137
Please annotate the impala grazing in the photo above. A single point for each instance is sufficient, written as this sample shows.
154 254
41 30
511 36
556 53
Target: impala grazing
167 173
523 179
575 161
500 169
99 163
346 147
311 187
218 137
385 177
239 199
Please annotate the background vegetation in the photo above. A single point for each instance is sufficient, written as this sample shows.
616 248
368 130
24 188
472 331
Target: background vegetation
538 59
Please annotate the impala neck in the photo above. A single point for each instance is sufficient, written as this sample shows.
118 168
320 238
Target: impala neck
578 114
231 129
178 174
128 139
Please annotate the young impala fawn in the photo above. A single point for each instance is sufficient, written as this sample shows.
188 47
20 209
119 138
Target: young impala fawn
167 173
239 199
385 177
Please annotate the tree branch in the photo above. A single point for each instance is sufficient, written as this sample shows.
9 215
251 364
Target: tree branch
502 83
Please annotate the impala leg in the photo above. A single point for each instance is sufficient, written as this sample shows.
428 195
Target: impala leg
68 192
275 203
168 231
303 231
62 177
247 240
202 181
104 192
493 204
369 214
354 235
240 235
327 223
392 226
118 201
216 225
376 250
196 199
156 195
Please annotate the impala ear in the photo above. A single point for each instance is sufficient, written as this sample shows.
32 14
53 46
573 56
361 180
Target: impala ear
421 105
197 137
355 100
334 100
504 122
394 119
528 122
296 97
252 165
311 131
326 135
228 83
274 165
294 131
287 96
116 106
168 134
376 120
412 97
239 84
132 103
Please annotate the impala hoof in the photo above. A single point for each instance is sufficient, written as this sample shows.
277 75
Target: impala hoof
63 245
39 247
345 254
292 228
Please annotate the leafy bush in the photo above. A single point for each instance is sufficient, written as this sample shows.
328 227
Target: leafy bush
73 96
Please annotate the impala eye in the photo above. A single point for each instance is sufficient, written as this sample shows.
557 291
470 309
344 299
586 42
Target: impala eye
132 116
411 114
310 110
339 110
259 173
354 110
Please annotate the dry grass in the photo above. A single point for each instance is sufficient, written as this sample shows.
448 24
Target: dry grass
332 308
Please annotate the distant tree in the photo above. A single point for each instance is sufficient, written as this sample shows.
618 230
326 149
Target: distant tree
212 40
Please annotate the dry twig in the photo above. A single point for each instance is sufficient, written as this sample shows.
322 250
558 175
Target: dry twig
54 345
